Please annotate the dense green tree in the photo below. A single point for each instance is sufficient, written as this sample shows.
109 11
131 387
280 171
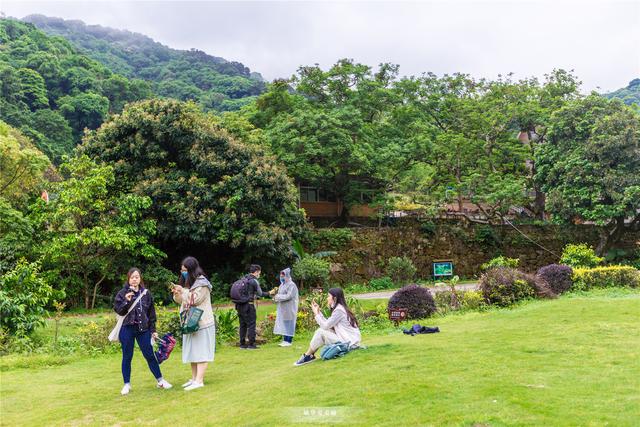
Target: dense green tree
589 166
33 91
92 235
22 166
206 187
86 110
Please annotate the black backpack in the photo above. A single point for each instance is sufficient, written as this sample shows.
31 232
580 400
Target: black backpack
240 290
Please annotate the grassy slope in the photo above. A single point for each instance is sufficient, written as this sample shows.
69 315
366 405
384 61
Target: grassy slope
572 361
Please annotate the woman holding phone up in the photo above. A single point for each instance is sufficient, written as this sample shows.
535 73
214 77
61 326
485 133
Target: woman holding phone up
198 348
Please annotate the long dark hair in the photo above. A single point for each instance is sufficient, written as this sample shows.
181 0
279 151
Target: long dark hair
193 271
133 270
338 297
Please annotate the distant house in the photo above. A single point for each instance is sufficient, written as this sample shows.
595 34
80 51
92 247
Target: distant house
321 203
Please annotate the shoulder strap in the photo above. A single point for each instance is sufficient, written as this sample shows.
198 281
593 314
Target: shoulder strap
136 301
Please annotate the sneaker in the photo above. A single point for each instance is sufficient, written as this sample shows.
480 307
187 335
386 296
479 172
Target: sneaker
194 385
305 359
252 347
126 389
164 384
187 384
285 344
243 346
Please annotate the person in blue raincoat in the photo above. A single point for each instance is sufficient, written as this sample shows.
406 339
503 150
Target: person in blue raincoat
287 300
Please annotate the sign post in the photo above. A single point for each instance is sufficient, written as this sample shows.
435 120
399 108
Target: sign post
442 268
397 315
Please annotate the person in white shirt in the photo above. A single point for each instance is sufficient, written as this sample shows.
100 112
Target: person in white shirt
341 326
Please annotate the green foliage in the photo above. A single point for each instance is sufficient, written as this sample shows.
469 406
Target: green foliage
605 277
22 166
205 187
24 294
168 321
500 261
212 82
381 283
93 336
401 270
589 167
486 236
580 255
327 239
92 235
311 271
629 95
226 325
51 92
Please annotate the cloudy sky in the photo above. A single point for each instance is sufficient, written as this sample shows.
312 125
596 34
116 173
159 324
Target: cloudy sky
600 40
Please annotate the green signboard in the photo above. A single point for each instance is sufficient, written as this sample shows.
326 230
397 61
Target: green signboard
442 268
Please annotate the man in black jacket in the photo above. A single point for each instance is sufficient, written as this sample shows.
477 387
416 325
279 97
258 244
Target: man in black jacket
247 311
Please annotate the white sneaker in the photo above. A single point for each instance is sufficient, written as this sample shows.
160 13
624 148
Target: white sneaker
126 389
187 384
193 386
164 384
285 344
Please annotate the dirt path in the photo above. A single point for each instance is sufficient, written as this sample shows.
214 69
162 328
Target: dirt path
433 289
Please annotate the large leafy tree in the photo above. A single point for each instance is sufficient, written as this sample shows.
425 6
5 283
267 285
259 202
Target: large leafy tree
338 129
91 235
207 188
590 166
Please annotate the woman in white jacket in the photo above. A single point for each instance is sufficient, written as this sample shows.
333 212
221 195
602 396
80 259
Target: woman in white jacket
341 326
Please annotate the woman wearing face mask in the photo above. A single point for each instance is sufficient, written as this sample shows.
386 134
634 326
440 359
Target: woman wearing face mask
341 326
287 314
138 325
198 348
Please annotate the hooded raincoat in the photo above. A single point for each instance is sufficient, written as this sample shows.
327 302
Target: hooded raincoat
287 300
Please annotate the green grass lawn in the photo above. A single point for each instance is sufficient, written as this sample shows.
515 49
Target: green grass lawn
570 361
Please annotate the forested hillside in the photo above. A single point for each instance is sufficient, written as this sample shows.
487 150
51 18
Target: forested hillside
629 95
213 82
51 92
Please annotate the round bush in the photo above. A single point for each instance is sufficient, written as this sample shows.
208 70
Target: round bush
558 277
401 269
504 286
416 299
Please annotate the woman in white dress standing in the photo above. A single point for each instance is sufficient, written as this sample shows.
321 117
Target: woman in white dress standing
198 348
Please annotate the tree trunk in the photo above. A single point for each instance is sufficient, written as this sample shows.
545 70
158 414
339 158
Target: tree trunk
610 235
95 290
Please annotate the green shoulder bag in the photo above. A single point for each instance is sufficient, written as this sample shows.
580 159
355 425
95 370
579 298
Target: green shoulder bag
189 318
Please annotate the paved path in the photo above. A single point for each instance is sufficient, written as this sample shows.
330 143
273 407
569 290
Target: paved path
433 289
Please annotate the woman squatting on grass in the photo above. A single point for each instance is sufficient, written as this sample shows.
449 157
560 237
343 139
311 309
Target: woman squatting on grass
341 326
138 325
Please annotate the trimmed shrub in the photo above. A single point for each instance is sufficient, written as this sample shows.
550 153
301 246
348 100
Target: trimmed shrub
580 256
416 299
504 286
311 271
500 261
472 300
401 270
558 277
606 277
381 283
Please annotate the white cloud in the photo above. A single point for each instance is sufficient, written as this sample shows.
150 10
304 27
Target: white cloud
599 40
